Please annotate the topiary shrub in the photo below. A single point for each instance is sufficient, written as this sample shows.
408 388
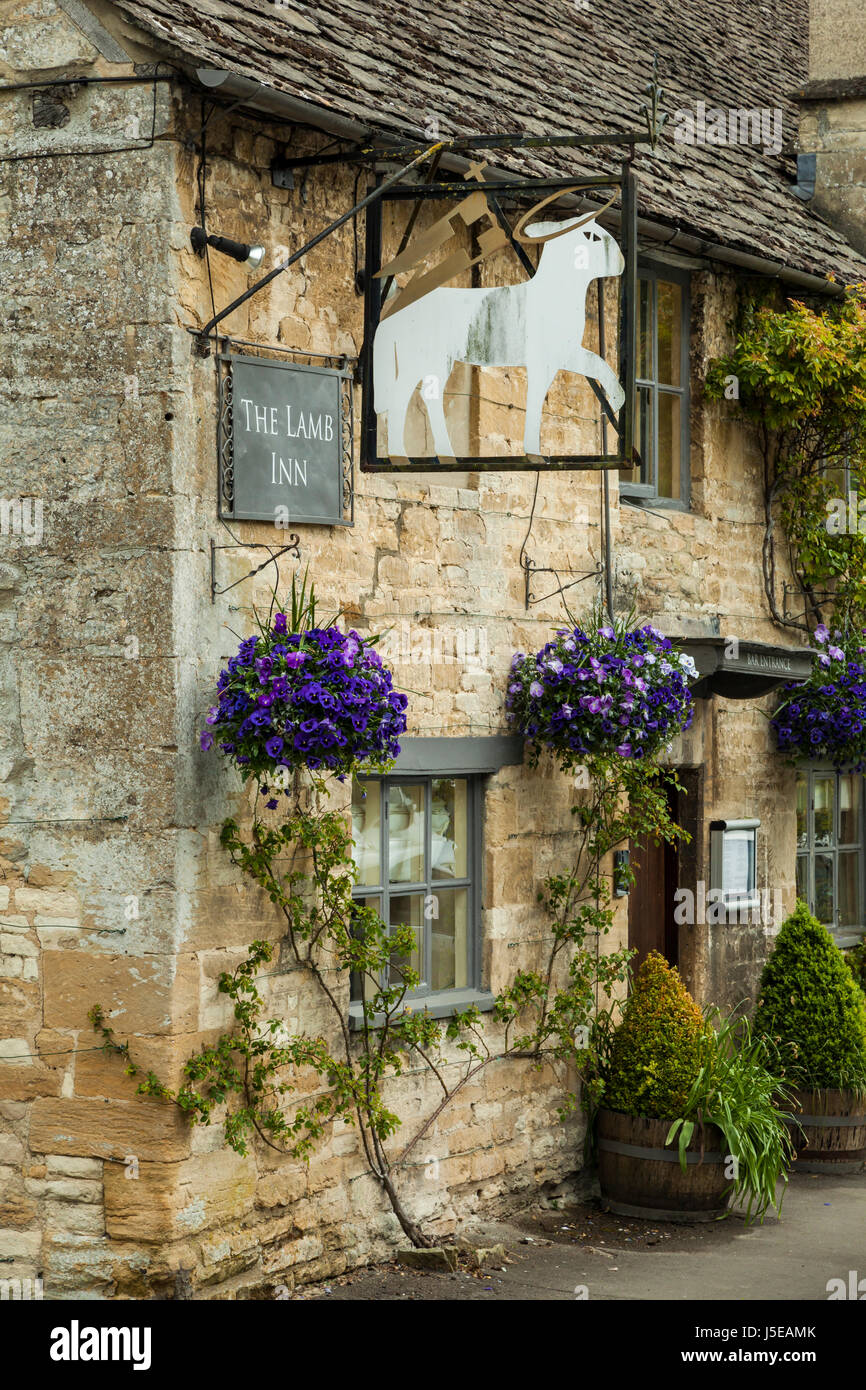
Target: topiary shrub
658 1048
811 1006
855 959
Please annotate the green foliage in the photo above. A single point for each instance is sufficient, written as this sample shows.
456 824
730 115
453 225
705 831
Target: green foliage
739 1089
810 1006
286 1089
669 1061
802 380
657 1051
855 959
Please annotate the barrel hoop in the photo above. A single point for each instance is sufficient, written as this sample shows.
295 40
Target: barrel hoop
661 1155
832 1121
661 1214
846 1167
844 1155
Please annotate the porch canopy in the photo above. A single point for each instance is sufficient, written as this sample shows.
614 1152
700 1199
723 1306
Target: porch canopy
744 670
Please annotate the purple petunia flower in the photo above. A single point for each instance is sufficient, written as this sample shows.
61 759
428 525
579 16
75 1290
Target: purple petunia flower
602 706
329 707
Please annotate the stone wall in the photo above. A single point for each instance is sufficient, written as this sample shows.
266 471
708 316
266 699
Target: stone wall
115 889
834 128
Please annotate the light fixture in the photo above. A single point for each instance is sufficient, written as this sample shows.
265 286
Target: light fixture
239 250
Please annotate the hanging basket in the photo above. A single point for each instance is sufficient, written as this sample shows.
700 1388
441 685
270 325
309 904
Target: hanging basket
825 717
603 692
319 699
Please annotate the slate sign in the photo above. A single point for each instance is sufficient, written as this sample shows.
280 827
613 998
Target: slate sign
286 442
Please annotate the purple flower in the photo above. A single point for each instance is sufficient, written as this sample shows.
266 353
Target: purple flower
206 741
602 707
836 653
329 707
821 633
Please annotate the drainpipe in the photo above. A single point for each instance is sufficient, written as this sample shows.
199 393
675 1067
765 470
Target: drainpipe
605 477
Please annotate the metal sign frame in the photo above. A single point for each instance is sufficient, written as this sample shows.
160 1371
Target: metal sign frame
335 366
625 456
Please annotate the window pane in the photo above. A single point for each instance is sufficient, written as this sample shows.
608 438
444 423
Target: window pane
825 788
824 889
849 890
803 877
449 828
670 328
670 416
355 981
849 810
407 909
366 819
406 833
644 330
802 811
643 432
449 927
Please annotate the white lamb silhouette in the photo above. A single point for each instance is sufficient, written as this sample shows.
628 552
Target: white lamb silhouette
538 324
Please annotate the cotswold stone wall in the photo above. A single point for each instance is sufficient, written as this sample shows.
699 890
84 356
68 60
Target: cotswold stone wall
835 130
114 888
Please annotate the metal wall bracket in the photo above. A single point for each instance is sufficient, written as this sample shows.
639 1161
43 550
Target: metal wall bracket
530 569
282 175
293 549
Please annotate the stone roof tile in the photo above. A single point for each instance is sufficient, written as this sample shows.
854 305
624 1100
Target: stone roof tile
547 65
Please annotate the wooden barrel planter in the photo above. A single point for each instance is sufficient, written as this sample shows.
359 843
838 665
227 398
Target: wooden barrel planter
829 1132
639 1176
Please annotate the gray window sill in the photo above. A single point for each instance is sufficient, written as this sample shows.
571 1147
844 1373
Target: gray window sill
662 504
441 1005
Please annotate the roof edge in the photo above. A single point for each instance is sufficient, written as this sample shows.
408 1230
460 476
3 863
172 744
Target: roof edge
250 92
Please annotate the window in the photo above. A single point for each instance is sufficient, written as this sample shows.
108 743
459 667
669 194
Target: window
417 852
830 863
662 394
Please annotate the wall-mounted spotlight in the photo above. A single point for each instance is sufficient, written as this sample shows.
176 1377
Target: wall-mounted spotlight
239 250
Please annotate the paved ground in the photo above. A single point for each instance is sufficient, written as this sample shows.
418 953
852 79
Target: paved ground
555 1255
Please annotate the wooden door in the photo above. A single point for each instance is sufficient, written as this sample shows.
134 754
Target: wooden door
651 925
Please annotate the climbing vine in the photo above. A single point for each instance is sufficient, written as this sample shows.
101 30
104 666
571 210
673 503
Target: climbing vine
285 1089
798 373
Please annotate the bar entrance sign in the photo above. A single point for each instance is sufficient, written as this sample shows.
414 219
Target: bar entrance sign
281 442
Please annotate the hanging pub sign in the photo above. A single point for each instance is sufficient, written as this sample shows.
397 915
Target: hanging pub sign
285 446
428 401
